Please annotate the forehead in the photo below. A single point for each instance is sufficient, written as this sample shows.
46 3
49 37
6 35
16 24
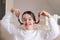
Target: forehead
27 16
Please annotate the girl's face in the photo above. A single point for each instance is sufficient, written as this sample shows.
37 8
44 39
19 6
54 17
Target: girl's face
27 21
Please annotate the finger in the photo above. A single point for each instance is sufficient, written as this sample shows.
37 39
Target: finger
44 13
17 12
47 14
40 13
11 10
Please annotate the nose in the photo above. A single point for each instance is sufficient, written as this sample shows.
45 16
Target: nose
27 21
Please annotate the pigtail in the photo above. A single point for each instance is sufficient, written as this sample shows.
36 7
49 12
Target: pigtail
37 21
19 21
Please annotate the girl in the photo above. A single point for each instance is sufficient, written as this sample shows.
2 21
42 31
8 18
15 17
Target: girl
27 31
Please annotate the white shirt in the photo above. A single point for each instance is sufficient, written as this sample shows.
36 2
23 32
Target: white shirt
21 34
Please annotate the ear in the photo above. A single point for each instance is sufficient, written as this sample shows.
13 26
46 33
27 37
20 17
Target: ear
33 22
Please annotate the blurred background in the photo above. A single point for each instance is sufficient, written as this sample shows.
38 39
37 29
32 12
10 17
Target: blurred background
51 6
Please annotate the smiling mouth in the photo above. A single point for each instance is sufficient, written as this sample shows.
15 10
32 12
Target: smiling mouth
27 24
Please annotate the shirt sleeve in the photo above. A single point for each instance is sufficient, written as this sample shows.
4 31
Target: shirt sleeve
54 29
6 23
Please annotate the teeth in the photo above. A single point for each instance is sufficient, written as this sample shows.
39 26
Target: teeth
29 24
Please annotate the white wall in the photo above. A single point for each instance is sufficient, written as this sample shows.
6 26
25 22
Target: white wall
32 5
9 5
55 6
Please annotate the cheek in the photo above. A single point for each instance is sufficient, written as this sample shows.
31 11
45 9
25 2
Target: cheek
24 22
32 22
29 22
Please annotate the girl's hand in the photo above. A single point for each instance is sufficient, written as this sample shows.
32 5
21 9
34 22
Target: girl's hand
44 13
16 11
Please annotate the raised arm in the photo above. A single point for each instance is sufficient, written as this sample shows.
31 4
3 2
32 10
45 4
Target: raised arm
17 13
7 22
54 32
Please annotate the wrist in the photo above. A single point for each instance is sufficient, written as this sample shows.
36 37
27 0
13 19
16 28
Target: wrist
49 16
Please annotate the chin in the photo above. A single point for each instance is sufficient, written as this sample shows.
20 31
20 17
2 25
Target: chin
27 26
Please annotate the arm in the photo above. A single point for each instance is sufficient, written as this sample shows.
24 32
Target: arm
6 23
54 32
17 13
